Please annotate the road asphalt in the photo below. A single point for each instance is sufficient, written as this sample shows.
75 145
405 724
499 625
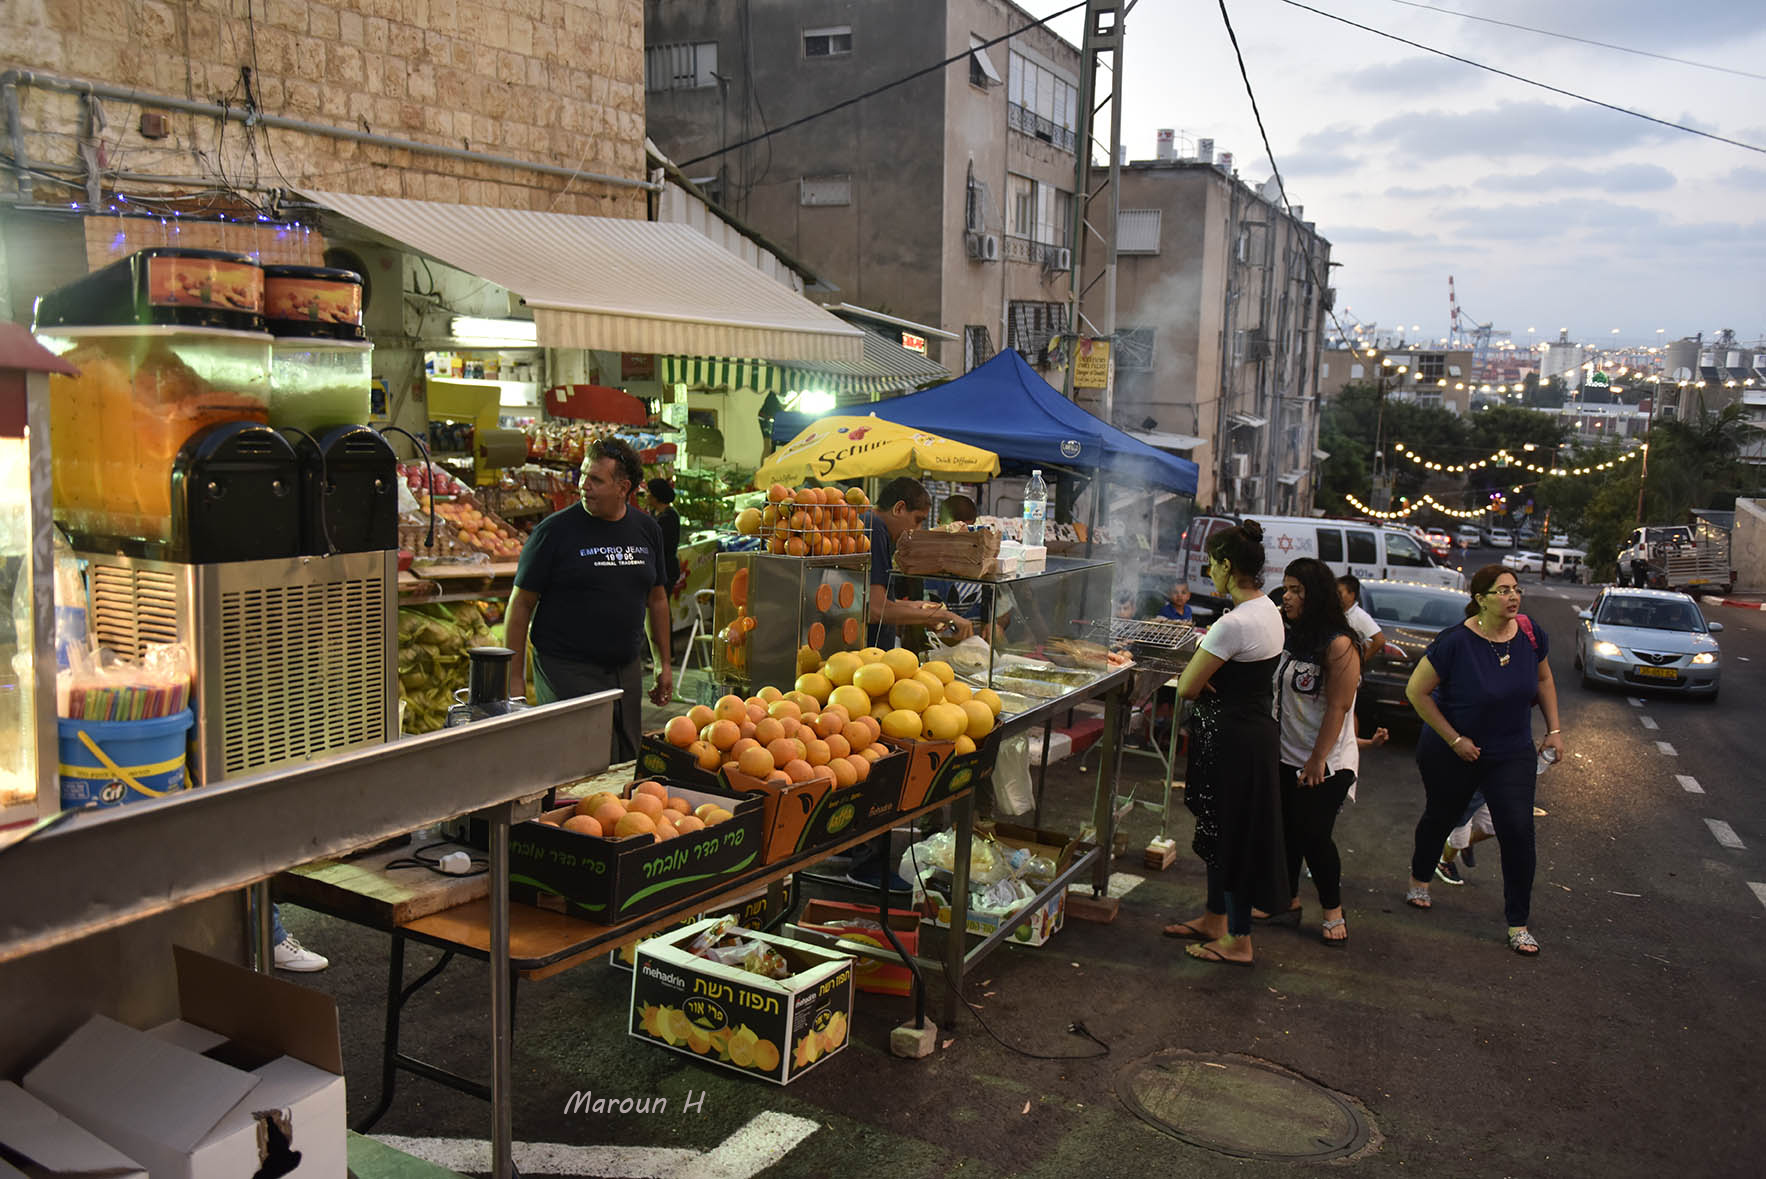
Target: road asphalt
1629 1047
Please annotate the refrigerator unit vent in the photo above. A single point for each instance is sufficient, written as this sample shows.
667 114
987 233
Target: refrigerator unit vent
132 607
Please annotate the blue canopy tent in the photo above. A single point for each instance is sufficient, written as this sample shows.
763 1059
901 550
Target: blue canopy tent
1007 408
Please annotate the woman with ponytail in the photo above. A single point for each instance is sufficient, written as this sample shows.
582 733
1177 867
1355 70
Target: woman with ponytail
1232 784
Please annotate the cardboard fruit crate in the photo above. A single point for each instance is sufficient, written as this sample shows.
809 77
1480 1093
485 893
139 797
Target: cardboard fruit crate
610 880
936 771
807 815
857 923
775 1029
1030 928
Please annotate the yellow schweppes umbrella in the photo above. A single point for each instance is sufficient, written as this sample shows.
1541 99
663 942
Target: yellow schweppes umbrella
858 448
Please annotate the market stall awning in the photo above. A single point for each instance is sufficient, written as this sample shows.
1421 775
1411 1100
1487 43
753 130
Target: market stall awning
863 447
1176 443
886 367
617 285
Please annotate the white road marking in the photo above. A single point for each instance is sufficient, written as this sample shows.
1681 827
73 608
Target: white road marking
1648 722
1689 783
767 1138
1666 749
1759 890
1724 834
1635 702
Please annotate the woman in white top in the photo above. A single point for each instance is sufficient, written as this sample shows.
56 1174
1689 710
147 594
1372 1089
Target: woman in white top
1315 695
1231 784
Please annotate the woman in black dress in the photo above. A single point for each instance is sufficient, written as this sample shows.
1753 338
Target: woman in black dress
1233 781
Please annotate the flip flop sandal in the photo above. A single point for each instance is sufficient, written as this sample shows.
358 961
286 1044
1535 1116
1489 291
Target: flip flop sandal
1447 872
1285 917
1325 932
1524 944
1183 929
1418 898
1204 954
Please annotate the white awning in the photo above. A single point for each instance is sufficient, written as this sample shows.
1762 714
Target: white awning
1290 478
1321 455
1247 419
978 51
613 284
1177 443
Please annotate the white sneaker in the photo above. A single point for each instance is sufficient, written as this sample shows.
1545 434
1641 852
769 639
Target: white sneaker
291 955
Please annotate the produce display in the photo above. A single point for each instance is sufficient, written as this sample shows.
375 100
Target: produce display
432 656
809 521
830 720
647 809
463 525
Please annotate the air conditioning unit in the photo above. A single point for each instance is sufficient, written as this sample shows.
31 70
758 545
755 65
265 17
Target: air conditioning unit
1250 488
990 247
1241 463
972 245
1057 258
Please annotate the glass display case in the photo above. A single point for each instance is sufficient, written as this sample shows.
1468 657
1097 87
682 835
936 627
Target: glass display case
27 601
1037 635
777 617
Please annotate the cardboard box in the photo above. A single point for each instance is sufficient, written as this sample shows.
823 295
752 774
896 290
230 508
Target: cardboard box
807 815
1034 927
936 772
858 923
776 1029
249 1081
610 880
751 911
658 759
54 1147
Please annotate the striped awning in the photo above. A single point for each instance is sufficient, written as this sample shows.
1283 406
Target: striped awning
886 368
616 285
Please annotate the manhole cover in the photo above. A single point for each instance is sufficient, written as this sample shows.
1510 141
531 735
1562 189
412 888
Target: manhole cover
1241 1107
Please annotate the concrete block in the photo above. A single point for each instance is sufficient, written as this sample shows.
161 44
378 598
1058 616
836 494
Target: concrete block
913 1043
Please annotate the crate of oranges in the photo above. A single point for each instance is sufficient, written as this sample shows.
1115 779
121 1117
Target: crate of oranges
810 521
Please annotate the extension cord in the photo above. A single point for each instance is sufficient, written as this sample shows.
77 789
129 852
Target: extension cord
456 863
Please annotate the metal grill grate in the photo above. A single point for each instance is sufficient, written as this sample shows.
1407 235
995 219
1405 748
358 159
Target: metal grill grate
132 607
302 670
1157 645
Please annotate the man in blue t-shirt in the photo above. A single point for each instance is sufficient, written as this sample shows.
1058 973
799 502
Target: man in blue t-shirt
587 576
901 506
1177 603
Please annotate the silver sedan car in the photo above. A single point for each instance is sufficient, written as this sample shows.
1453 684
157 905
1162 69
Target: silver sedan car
1642 638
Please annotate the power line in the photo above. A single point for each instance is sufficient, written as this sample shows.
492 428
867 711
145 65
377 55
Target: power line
1518 78
1490 20
902 81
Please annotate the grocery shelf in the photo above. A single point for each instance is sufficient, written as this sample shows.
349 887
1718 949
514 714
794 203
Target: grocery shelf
162 853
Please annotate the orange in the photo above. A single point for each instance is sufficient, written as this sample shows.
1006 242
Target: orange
680 732
816 752
829 721
847 594
799 770
645 804
808 495
844 774
730 708
849 631
838 745
872 753
796 548
756 711
593 802
652 787
864 542
769 517
857 734
818 634
776 545
783 750
722 734
708 756
860 764
782 708
634 823
778 493
856 497
788 725
740 747
768 729
608 815
582 825
755 762
680 806
748 521
687 824
770 694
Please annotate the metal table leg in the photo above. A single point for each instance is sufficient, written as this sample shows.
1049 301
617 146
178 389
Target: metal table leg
1104 796
957 937
502 998
258 909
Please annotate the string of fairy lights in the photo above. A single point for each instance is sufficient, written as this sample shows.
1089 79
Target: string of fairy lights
1500 458
1505 458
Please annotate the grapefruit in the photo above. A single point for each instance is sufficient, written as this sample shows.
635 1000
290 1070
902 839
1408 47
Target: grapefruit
582 825
902 723
799 770
817 685
908 695
875 678
903 662
941 669
701 716
730 708
964 745
957 692
841 667
756 762
980 718
645 804
782 708
854 699
990 698
934 685
634 823
651 787
608 815
945 722
748 521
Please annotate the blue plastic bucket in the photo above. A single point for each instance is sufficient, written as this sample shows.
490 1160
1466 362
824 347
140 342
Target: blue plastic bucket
122 761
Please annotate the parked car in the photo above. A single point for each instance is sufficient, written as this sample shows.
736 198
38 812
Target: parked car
1523 562
1564 562
1368 550
1499 538
1440 543
1409 617
1643 638
1469 536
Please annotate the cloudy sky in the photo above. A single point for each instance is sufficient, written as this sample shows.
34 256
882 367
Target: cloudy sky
1548 212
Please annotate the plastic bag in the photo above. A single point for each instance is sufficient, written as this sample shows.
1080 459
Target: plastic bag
1012 791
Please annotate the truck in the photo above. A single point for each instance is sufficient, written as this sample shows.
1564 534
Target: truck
1692 557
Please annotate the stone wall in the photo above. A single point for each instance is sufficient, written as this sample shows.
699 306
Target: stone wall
1747 545
558 82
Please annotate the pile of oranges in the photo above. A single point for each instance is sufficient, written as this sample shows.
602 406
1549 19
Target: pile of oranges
648 810
910 700
780 737
810 521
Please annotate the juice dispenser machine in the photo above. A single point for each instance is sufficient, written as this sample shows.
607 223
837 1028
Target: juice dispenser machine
187 506
321 379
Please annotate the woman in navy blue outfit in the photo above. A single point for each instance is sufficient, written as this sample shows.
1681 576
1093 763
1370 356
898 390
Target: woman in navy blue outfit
1475 689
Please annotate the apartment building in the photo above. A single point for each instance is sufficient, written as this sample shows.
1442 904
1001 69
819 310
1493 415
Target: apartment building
944 201
1221 295
1426 376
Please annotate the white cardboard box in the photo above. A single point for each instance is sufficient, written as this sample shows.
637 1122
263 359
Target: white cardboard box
252 1072
53 1146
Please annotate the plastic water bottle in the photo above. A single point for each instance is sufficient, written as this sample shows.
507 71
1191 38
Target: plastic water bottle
1036 507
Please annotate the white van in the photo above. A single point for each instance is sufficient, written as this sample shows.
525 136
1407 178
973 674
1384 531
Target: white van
1372 552
1565 563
